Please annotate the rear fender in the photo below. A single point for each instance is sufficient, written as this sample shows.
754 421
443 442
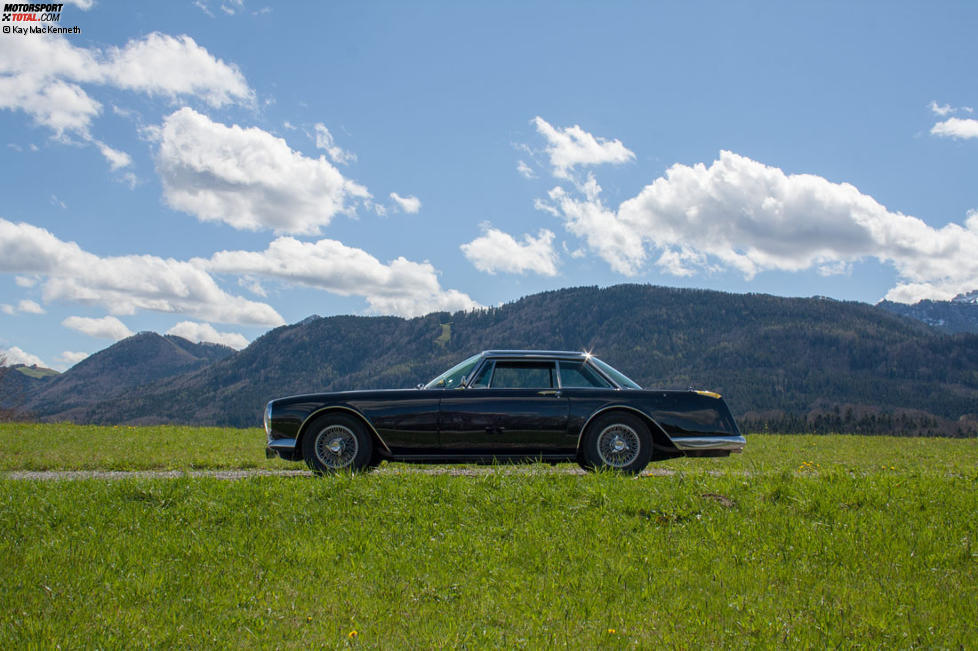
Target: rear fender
662 445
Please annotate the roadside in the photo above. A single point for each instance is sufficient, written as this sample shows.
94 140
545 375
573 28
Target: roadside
109 475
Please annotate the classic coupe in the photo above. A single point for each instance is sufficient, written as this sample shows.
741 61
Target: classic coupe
504 405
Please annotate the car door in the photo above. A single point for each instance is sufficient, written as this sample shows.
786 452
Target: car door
513 407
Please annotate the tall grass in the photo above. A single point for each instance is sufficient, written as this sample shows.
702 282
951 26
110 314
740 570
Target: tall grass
838 541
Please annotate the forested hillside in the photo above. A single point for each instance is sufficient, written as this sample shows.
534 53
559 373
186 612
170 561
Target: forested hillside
811 364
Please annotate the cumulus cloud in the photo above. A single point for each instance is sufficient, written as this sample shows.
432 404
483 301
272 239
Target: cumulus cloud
108 327
29 307
70 358
44 77
123 284
401 287
248 178
324 141
740 214
573 146
15 355
940 110
409 204
496 251
25 306
198 332
956 128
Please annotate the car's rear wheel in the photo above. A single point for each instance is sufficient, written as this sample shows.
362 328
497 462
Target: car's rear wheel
617 440
335 443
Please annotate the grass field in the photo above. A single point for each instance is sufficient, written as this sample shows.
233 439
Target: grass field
801 541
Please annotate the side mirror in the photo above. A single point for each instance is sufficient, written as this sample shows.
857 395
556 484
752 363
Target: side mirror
420 385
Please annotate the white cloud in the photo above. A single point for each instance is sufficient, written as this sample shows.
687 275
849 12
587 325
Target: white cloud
937 109
123 284
498 251
15 355
573 146
117 159
409 204
324 141
198 332
84 5
44 76
25 307
252 285
248 178
25 281
401 287
108 327
29 307
956 128
525 170
70 358
740 214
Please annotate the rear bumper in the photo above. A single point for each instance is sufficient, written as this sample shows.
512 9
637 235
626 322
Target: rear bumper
721 444
284 448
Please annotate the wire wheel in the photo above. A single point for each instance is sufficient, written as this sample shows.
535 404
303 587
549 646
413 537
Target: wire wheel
618 445
336 447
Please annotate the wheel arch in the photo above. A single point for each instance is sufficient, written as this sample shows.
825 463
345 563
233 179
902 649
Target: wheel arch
662 445
379 444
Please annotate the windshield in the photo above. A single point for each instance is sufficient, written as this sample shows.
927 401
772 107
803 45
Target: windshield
614 374
452 378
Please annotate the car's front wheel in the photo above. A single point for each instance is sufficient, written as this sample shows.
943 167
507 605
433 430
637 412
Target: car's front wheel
337 442
617 441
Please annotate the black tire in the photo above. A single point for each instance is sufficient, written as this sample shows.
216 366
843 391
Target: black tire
616 440
337 443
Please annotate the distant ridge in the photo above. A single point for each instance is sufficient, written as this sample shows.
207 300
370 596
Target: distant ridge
960 314
133 362
797 363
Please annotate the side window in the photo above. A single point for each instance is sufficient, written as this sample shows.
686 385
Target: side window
576 374
523 375
482 381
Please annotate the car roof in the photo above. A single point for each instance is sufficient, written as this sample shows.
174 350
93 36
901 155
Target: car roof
536 354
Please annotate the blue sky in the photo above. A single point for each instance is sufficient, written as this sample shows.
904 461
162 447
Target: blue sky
217 169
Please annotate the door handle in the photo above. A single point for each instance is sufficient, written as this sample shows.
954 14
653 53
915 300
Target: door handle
548 392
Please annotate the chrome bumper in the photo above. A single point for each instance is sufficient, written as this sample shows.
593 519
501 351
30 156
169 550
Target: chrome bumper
284 448
697 443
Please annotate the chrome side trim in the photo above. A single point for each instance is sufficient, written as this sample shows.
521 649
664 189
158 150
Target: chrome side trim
580 435
281 444
732 443
352 411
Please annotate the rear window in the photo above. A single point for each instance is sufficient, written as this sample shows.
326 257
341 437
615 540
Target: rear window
523 375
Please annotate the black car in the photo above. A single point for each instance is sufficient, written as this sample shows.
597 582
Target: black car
504 405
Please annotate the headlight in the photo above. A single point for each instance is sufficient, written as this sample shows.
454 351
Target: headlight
268 419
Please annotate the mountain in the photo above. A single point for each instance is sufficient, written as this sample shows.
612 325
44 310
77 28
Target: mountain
800 363
126 365
960 314
18 383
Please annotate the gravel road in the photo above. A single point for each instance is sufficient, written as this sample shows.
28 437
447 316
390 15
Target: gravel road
74 475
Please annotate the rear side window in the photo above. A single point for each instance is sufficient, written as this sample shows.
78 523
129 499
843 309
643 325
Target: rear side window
524 375
576 374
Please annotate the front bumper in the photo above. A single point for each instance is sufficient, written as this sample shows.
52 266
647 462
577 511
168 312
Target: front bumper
284 448
705 446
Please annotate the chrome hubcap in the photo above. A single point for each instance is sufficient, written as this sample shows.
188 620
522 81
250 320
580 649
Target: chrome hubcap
336 447
618 445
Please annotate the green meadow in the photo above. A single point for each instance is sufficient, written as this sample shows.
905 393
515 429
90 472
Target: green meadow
800 541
